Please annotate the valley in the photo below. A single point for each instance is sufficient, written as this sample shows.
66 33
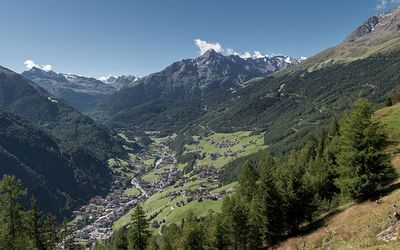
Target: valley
197 150
168 187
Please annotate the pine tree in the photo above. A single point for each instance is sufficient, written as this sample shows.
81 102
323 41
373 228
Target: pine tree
363 166
138 233
12 229
193 235
170 237
247 181
36 227
49 232
334 127
266 206
235 213
120 241
218 234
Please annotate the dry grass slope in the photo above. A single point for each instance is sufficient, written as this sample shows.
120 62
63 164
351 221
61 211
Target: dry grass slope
355 226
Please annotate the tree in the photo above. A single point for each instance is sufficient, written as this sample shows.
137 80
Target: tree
120 241
49 232
363 166
170 237
266 207
36 227
247 181
235 213
138 233
218 233
334 127
13 227
193 235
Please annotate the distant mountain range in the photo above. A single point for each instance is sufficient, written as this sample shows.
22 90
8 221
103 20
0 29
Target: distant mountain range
79 91
190 79
228 93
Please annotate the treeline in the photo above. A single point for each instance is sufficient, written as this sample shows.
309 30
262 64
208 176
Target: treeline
20 228
280 195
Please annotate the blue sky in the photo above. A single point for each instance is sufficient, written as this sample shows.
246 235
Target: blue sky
99 37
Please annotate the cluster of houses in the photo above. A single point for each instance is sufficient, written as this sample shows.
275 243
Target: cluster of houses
166 178
94 221
224 143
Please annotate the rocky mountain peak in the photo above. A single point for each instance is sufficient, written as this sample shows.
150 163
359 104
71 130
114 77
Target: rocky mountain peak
379 27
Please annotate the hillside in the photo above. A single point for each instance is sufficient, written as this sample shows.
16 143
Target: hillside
65 151
182 82
286 105
378 34
356 226
59 179
27 100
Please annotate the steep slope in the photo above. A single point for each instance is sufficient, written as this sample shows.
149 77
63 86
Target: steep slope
78 91
27 100
379 33
355 226
60 179
65 151
187 80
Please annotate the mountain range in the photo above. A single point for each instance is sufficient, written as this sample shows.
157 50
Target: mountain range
187 80
215 93
79 91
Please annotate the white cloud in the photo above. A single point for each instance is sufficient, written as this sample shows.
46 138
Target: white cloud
103 78
47 67
29 64
383 4
204 46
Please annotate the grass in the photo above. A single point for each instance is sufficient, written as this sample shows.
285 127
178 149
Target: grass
160 204
132 191
248 144
154 175
390 116
356 226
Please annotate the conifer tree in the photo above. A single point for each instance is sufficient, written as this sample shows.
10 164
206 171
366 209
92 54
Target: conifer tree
247 182
363 165
193 235
36 227
267 203
49 232
120 241
13 224
138 233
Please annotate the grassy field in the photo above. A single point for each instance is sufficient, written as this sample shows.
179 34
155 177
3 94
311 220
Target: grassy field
355 226
132 191
160 204
247 144
153 175
390 116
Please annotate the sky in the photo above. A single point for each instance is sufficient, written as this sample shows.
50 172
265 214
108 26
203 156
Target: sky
113 37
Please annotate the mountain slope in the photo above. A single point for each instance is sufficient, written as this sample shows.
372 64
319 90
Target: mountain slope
80 92
56 150
59 179
378 34
187 80
355 226
27 100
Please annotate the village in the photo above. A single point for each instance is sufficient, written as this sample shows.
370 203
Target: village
95 220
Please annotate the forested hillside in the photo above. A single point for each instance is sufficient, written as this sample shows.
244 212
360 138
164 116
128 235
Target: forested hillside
60 154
